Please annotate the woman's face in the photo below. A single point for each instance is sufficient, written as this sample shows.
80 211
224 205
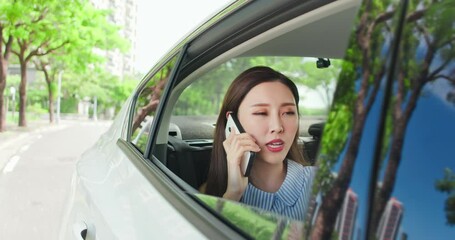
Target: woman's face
269 113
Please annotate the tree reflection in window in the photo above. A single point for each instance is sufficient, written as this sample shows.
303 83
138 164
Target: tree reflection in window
147 104
426 54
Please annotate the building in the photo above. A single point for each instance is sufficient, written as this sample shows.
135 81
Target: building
347 216
390 220
124 15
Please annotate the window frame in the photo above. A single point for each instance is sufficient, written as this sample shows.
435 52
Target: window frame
197 213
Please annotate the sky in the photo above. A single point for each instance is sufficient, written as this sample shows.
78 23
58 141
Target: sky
173 20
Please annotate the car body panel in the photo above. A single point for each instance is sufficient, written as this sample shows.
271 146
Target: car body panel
114 199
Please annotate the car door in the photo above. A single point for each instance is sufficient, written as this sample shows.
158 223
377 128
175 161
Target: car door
113 196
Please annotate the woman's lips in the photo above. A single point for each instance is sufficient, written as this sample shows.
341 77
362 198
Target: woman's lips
275 145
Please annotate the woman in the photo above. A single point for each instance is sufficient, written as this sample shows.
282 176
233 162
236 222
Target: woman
266 105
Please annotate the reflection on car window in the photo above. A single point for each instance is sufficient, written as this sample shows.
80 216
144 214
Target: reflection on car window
258 223
147 104
348 141
416 186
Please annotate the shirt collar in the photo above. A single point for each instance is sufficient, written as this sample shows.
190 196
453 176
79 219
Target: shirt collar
292 186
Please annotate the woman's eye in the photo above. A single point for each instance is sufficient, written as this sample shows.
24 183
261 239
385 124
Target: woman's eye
289 113
260 113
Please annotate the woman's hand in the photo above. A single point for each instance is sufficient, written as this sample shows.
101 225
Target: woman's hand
235 146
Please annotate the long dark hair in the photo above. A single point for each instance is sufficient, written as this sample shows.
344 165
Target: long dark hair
239 88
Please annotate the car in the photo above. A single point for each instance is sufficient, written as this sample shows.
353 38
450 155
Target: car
376 81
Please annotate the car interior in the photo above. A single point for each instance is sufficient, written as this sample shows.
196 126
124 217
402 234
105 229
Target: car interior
184 143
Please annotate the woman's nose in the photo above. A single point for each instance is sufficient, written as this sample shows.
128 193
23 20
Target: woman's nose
277 126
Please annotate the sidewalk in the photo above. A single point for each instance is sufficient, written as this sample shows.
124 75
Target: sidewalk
13 131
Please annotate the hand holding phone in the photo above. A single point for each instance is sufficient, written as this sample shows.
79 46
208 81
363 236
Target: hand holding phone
248 157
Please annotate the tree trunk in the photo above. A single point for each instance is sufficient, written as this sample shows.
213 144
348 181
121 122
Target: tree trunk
400 124
331 204
51 107
152 104
3 70
23 95
50 94
5 52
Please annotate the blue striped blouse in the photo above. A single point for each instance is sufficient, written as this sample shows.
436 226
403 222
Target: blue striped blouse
292 199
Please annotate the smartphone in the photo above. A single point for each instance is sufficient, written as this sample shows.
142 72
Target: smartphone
248 157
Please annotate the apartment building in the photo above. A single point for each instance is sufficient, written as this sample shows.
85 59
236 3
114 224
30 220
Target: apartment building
125 15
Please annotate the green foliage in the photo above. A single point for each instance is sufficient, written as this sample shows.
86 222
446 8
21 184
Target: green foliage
69 104
338 126
36 94
68 35
36 109
312 112
447 185
205 96
13 81
110 90
262 225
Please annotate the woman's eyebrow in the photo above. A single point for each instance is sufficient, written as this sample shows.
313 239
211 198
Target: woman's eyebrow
267 104
288 104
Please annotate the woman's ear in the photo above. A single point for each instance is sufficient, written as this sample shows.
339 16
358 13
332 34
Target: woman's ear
228 113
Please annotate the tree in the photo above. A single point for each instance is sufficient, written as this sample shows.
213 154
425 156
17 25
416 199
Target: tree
44 66
153 90
37 35
8 21
430 23
351 110
71 27
321 80
424 24
91 34
447 185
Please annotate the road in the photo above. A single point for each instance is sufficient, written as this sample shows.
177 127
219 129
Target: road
36 169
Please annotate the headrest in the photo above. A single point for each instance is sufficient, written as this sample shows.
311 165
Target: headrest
315 129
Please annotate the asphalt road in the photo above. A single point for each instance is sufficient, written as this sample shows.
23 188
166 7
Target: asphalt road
35 174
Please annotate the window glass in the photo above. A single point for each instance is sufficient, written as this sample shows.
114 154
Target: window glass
415 196
345 160
147 103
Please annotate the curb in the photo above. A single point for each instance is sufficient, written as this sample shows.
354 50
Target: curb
14 132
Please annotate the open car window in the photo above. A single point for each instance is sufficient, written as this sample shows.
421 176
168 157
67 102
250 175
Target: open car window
195 107
185 135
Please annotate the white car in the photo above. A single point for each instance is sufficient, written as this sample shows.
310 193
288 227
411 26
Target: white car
377 89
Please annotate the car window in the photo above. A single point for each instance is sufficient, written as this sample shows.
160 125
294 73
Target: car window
191 126
147 102
416 183
341 109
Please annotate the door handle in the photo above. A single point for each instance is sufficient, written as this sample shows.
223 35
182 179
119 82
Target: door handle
80 231
84 234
